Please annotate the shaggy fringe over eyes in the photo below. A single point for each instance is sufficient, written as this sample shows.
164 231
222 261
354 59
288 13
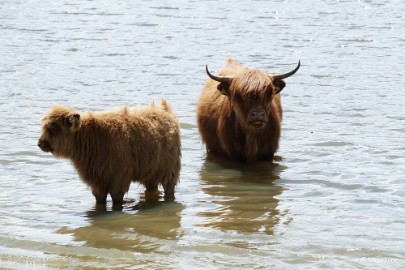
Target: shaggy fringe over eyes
251 83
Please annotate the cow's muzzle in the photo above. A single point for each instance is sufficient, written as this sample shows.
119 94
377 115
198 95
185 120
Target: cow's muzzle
257 118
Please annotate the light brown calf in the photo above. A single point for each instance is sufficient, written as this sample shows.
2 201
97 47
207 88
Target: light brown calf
112 148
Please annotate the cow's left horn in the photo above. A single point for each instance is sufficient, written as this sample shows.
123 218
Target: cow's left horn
223 79
288 74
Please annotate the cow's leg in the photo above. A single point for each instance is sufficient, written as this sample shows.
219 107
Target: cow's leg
152 191
100 194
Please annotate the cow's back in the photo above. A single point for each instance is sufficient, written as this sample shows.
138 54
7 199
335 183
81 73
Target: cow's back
231 68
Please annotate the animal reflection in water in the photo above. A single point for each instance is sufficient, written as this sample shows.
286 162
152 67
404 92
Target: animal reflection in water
245 197
140 227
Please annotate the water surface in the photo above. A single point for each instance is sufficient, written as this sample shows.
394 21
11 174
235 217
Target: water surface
334 201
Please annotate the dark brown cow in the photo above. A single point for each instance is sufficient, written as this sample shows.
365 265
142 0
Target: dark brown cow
239 113
112 148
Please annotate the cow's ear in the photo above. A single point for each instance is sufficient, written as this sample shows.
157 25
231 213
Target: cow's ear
223 88
74 122
278 86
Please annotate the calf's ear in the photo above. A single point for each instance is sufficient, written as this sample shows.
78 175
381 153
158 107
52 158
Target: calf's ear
74 121
278 86
223 88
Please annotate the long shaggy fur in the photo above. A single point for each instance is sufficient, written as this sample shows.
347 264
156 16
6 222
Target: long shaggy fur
112 148
222 114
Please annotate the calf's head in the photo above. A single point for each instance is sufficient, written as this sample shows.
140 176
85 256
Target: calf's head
251 92
58 128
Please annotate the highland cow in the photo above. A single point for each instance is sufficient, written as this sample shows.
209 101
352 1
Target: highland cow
239 113
112 148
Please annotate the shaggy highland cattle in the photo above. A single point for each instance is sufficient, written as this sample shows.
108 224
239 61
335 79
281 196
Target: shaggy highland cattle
112 148
239 113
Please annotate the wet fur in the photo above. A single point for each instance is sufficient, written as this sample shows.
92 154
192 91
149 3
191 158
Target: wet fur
112 148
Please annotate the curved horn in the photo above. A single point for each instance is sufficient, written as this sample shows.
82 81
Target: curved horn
223 79
288 74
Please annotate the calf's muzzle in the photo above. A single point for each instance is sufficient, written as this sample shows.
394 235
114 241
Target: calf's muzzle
44 146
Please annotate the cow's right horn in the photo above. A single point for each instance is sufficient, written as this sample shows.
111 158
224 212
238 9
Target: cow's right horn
223 79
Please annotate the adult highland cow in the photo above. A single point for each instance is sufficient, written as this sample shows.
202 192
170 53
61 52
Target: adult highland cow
239 113
112 148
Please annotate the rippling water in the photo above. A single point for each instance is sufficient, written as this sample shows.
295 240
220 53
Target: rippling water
335 200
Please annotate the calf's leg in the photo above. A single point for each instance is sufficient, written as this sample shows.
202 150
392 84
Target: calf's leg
118 190
169 190
117 197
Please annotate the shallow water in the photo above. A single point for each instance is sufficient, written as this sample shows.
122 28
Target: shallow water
335 200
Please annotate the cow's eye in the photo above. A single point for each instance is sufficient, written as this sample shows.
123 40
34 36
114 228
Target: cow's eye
239 99
269 94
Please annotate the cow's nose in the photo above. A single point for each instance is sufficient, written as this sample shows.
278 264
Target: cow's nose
256 115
